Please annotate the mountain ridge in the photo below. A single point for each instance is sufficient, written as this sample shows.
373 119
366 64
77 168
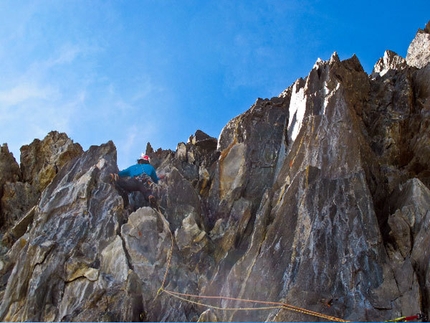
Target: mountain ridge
317 198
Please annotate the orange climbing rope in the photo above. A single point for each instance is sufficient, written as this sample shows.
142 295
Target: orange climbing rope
273 305
266 305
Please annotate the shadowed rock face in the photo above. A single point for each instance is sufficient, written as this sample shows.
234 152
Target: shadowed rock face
318 198
9 174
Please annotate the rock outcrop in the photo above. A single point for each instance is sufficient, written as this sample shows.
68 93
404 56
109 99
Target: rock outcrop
419 51
22 186
9 173
318 199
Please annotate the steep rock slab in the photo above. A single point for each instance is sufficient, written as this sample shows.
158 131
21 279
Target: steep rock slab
250 147
390 106
407 247
9 168
191 159
83 260
419 50
189 173
419 127
42 159
9 172
322 246
70 265
40 162
159 265
18 198
397 120
179 199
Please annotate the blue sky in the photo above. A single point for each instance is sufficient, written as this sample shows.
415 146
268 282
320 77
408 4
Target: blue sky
156 71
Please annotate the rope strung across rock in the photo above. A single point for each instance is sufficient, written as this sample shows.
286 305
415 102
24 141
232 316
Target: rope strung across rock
267 304
274 305
418 316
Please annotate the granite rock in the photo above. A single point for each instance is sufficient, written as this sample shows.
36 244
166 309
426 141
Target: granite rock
318 199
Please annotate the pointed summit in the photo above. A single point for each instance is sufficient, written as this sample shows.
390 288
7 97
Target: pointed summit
390 61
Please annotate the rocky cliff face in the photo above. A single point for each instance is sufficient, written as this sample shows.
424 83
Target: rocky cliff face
317 199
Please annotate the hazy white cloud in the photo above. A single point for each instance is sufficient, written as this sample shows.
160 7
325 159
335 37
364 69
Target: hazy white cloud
35 82
26 91
67 54
145 87
35 101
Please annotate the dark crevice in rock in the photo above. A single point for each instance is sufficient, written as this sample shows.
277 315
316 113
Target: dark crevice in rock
127 254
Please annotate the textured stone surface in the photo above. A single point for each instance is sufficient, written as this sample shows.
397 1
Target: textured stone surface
55 271
322 210
407 243
390 61
21 187
9 167
318 198
397 120
9 172
42 159
419 50
18 198
249 146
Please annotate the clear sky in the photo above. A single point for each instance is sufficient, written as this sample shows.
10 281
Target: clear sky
138 71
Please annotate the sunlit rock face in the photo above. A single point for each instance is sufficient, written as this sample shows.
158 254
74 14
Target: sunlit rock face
419 50
21 186
317 198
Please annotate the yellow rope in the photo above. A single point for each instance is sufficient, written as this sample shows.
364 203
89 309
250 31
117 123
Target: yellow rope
269 305
177 295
